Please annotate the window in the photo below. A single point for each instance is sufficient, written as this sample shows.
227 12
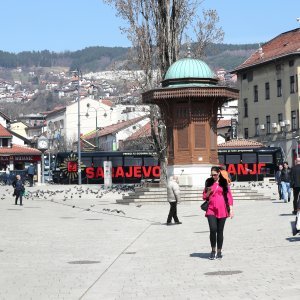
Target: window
87 161
256 124
294 120
246 108
98 161
278 67
249 158
132 161
296 83
246 133
279 88
291 63
115 161
280 119
244 76
233 159
221 159
265 158
150 161
4 142
267 90
255 93
250 76
292 84
268 121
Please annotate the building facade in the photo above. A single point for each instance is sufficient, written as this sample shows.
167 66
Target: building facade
269 94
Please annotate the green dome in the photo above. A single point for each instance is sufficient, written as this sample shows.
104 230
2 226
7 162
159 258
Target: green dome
189 68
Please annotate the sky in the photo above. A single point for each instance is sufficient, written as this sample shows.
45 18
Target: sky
60 25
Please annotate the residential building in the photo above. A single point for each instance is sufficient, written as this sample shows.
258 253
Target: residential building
62 123
269 94
111 138
16 157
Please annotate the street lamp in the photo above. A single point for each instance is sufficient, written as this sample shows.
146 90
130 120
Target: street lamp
96 111
76 81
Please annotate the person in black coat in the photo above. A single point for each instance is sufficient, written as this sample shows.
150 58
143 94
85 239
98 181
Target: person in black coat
295 183
18 189
277 180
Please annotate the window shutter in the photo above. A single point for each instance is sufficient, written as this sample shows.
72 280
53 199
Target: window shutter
200 137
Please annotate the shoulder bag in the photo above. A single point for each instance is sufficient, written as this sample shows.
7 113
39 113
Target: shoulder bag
204 205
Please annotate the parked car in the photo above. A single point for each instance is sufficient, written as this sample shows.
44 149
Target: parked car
12 177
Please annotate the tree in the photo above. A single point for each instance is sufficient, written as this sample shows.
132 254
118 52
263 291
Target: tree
156 29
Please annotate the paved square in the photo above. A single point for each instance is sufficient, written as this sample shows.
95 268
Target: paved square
75 243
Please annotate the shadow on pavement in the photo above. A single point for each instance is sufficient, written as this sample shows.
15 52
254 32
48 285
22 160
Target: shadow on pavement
200 255
285 215
293 239
294 231
279 202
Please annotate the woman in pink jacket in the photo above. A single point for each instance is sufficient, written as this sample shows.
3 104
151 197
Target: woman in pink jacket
218 193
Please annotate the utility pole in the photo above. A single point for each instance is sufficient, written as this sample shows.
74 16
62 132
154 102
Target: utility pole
76 80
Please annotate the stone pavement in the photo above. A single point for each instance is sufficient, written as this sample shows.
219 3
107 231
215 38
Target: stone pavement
80 245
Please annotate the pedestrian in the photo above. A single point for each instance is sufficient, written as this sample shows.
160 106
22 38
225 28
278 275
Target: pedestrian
295 184
278 181
173 194
7 174
285 179
18 189
220 207
30 172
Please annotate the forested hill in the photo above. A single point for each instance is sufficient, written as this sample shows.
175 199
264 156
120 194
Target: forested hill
94 59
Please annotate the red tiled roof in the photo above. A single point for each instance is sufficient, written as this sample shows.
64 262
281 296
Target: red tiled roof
54 111
145 131
224 123
284 44
107 102
240 143
112 128
17 149
4 132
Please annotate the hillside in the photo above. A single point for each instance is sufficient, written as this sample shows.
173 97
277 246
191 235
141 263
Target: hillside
93 59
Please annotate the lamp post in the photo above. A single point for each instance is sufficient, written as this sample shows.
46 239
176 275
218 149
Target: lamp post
96 111
76 81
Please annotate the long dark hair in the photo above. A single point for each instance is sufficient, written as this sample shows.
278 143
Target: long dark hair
222 182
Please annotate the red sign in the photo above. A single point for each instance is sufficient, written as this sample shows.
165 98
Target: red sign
135 171
72 166
245 169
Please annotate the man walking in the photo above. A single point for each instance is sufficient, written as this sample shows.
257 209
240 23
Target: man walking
277 180
285 180
173 193
30 172
18 189
295 183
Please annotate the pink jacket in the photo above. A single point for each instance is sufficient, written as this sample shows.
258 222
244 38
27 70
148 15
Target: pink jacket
217 205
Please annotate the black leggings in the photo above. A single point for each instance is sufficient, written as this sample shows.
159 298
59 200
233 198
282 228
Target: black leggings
216 227
19 196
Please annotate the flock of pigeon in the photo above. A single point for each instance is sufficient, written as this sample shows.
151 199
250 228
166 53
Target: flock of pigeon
74 193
